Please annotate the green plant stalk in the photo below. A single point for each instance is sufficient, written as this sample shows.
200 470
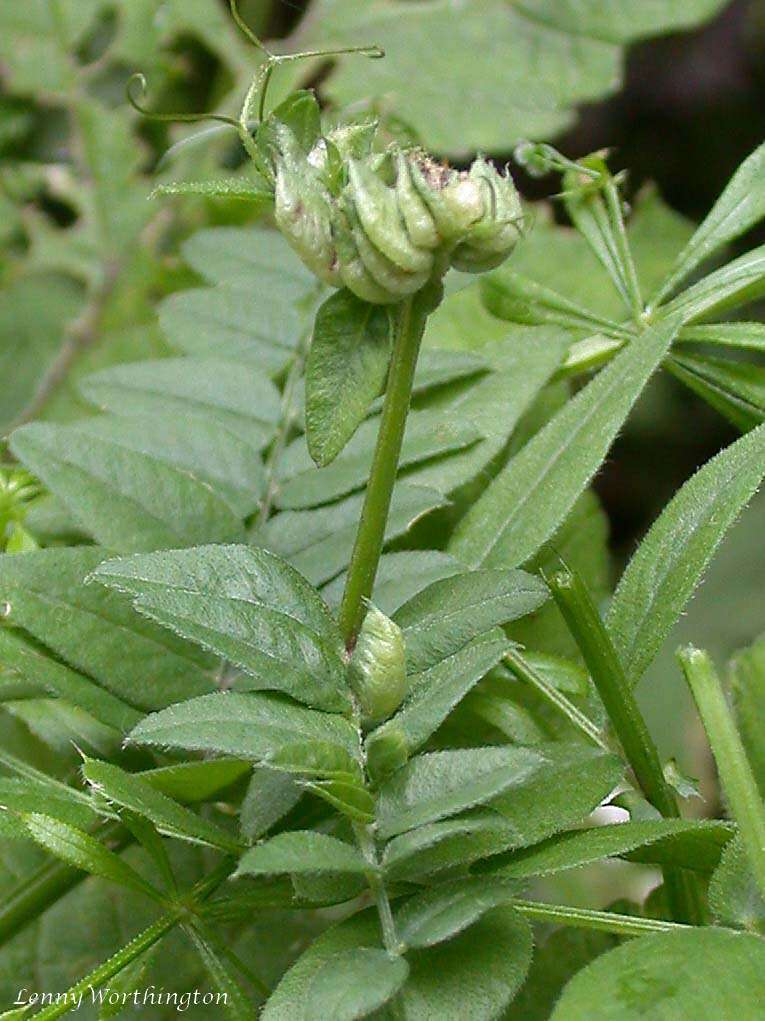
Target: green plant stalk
366 843
525 672
584 622
408 330
738 782
96 978
48 885
601 921
137 946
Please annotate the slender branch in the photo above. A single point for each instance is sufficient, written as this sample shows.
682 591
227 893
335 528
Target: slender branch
602 921
526 672
71 999
584 622
738 781
409 328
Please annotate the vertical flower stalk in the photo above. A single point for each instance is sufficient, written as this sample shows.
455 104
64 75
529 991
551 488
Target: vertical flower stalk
410 320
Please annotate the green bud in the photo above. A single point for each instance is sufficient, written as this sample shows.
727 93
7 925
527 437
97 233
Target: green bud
377 668
302 209
387 750
417 217
353 273
388 275
377 209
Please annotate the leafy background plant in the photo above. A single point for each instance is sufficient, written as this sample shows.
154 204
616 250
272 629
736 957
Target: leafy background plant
87 262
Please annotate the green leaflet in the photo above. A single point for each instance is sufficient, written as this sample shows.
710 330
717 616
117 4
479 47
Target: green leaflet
354 984
246 605
126 500
445 910
672 558
194 782
319 542
24 795
32 663
232 394
96 630
736 335
237 1004
483 966
449 613
440 846
137 794
251 726
84 852
735 389
429 434
400 576
210 452
234 323
569 781
301 852
529 499
434 693
433 786
734 896
346 369
270 795
677 976
239 257
695 845
739 207
737 283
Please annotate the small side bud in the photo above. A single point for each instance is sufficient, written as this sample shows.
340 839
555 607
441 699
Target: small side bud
387 751
377 668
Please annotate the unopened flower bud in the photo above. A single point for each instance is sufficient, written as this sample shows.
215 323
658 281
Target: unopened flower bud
384 224
377 668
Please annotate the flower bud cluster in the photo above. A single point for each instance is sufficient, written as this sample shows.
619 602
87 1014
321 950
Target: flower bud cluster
384 224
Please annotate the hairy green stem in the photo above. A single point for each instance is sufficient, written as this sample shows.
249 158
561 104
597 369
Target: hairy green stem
71 999
526 672
366 843
602 921
409 328
736 775
137 946
584 622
